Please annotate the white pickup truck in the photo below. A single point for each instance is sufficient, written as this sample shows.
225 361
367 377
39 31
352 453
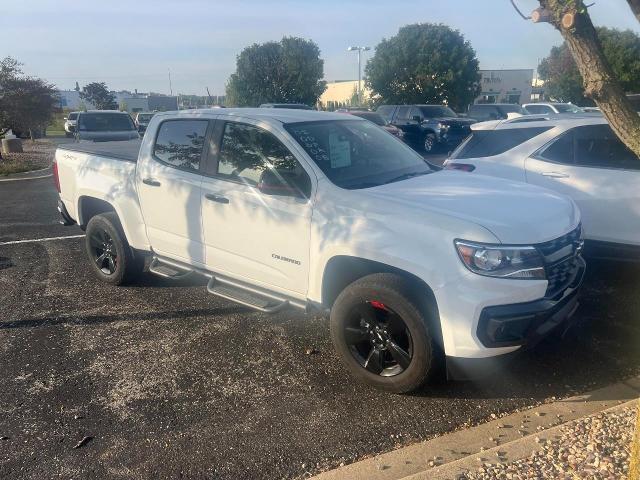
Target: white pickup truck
329 212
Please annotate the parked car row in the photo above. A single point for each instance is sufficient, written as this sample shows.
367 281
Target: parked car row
580 157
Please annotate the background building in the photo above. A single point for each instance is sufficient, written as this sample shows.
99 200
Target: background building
343 93
506 86
130 101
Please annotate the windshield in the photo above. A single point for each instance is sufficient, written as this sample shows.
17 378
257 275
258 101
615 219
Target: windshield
434 111
567 108
72 116
145 117
357 154
105 122
372 117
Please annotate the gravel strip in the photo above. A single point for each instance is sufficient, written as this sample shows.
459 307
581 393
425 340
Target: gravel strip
36 155
595 447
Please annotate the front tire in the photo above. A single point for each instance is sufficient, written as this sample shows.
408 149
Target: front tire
430 143
110 255
382 335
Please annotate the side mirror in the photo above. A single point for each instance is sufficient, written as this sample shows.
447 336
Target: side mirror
274 183
416 118
65 118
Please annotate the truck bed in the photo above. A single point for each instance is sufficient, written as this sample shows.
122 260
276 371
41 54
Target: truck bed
121 150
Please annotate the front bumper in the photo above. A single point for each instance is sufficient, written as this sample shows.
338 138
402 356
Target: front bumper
520 326
527 323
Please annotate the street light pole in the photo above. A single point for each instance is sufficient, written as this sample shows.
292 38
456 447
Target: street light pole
359 50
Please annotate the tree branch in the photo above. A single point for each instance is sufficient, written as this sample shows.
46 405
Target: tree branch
571 18
635 8
527 18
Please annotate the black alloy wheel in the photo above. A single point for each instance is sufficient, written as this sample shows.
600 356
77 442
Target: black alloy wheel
104 251
378 339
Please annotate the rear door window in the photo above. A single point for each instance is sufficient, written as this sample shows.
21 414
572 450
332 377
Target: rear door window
598 146
180 143
487 143
561 150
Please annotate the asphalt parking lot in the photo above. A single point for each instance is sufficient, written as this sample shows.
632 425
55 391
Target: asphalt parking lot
169 382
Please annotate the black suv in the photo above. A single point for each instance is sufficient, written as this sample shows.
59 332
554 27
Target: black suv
428 127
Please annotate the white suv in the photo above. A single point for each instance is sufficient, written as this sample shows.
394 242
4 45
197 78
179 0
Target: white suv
543 108
580 157
70 123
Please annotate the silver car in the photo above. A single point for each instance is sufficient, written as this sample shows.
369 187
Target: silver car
105 126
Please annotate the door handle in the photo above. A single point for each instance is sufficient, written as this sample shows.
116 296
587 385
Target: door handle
216 198
151 182
555 174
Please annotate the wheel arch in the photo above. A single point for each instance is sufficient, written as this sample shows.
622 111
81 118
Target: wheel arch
89 207
342 270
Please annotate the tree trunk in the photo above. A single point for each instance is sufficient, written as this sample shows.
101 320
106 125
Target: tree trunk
635 8
573 22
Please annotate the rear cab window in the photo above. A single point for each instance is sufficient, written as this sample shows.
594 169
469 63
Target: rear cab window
180 143
105 122
488 143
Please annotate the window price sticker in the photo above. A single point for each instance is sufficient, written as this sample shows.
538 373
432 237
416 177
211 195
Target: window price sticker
339 151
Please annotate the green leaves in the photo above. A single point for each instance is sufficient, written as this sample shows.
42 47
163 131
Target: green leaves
288 71
99 95
425 63
622 50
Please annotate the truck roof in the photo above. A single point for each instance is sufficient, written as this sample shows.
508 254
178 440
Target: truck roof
282 115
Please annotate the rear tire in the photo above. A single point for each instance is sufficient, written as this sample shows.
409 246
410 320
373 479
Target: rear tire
110 255
378 313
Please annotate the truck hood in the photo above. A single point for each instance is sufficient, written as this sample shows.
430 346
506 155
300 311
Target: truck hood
516 213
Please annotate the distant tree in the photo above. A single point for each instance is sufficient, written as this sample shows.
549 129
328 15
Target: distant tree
288 71
424 63
26 103
99 95
562 78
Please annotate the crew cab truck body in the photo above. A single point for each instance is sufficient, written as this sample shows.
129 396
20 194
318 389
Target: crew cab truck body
325 211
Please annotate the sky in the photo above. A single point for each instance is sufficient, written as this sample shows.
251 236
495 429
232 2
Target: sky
132 44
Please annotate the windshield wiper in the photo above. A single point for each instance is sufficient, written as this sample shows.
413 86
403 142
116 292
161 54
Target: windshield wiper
405 176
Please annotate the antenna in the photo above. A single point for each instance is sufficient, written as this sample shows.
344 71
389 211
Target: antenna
170 87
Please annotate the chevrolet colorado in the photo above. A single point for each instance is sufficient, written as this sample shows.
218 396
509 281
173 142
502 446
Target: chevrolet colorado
292 208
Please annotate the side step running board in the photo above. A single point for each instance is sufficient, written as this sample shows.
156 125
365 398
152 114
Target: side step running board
167 269
239 292
246 295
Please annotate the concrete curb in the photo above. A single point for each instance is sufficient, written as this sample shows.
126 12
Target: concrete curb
513 437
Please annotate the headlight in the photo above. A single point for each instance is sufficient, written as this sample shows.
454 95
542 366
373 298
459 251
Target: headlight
443 126
501 261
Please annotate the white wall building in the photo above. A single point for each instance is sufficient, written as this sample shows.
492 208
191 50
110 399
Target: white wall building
506 86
